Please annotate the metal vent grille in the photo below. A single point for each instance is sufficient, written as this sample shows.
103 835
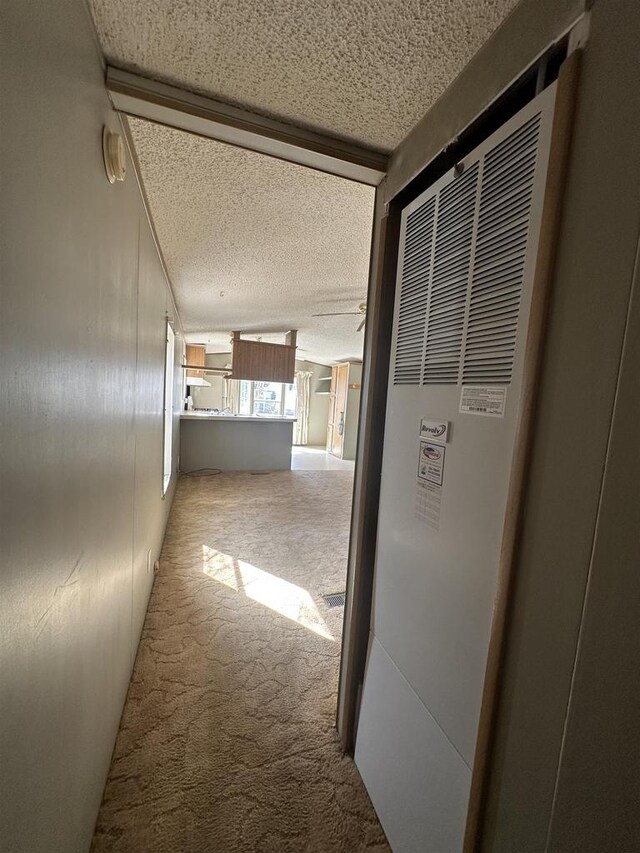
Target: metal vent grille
448 292
499 260
463 268
416 271
335 599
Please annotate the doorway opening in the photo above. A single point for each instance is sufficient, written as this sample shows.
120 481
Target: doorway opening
244 629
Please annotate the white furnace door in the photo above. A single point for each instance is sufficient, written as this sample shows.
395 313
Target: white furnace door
465 273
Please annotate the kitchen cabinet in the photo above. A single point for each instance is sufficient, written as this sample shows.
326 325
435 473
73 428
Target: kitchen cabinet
235 442
344 409
196 355
263 361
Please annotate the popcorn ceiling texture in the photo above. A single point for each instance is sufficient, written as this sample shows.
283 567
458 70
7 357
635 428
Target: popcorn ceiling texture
367 70
257 244
278 241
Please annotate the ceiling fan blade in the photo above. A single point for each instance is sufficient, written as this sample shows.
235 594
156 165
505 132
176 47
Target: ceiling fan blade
361 326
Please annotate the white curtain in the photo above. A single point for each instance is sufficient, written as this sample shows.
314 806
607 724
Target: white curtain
232 395
303 401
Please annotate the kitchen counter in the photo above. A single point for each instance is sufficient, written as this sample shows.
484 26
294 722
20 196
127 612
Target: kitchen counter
235 442
251 418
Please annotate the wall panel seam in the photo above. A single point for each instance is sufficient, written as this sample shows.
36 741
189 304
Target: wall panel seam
594 537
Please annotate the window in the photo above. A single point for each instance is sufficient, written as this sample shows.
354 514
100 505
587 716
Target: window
267 398
246 393
290 395
168 407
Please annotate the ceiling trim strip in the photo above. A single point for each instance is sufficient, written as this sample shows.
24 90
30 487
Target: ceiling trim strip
175 107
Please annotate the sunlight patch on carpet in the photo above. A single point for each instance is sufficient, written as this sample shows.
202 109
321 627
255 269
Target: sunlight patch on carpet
291 601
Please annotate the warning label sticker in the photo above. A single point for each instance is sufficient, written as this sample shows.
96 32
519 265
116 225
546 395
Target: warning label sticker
483 400
431 463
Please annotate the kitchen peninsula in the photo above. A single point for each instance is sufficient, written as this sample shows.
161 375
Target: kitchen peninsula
235 442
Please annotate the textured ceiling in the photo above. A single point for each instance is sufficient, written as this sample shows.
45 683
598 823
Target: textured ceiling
257 244
367 70
253 243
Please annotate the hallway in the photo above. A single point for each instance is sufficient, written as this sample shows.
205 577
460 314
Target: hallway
227 740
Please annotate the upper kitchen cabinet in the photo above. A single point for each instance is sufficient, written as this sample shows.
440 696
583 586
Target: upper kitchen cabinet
262 361
196 354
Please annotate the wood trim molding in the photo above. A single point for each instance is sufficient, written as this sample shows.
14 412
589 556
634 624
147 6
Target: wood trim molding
543 278
179 108
377 356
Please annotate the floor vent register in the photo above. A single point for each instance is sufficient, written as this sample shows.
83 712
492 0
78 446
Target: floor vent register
335 599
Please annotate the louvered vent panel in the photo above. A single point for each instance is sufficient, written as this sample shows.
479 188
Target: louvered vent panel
501 242
448 296
416 270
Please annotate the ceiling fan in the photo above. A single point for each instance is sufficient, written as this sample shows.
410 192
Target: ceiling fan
361 312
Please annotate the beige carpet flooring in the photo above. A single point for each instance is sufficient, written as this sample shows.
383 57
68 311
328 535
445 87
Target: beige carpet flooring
227 741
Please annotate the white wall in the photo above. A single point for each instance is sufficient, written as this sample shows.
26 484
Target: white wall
595 803
82 337
588 313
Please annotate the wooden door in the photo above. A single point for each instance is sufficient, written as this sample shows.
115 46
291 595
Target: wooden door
332 408
338 406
